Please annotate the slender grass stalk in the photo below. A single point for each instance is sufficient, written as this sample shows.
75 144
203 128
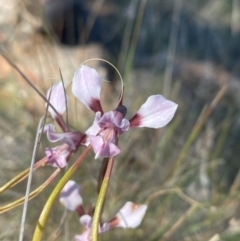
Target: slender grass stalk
167 81
31 195
206 111
35 150
21 176
38 233
133 44
219 146
165 139
179 222
96 8
126 37
32 85
100 201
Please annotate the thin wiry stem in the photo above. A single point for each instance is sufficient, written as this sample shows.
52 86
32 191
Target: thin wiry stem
21 176
126 36
31 195
65 96
235 17
59 229
206 111
35 149
179 222
97 5
176 190
32 85
136 30
172 47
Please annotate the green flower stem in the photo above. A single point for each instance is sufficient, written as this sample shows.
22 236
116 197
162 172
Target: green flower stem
38 233
100 201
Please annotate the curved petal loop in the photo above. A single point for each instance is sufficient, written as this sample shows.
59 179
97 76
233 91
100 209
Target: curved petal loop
86 87
57 98
103 148
131 215
71 138
156 112
70 196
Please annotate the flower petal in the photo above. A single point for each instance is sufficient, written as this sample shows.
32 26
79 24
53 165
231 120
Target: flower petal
86 220
70 196
57 99
86 87
94 128
103 148
130 215
57 156
156 112
71 138
114 118
85 236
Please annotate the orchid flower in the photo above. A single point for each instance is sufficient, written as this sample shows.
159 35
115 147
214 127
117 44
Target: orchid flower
57 156
103 135
129 216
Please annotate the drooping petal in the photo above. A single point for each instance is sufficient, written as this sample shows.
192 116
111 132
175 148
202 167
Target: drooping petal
57 99
86 87
57 156
103 148
130 215
156 112
71 138
70 196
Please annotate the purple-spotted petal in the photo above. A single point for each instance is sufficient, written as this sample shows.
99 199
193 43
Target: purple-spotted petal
57 99
103 148
71 138
86 87
130 215
156 112
70 196
57 156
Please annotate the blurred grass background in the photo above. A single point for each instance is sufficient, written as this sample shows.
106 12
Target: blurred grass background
188 172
